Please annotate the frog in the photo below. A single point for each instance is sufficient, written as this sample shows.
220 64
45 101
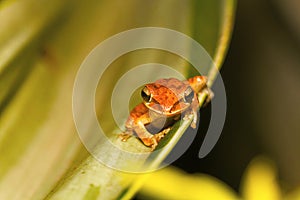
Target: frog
165 101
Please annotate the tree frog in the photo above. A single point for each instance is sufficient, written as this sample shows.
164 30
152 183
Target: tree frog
164 102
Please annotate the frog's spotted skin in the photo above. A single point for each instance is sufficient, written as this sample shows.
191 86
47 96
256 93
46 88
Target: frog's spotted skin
167 96
164 102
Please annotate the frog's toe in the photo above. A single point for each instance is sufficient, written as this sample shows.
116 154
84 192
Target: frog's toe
158 137
193 125
124 136
154 145
150 142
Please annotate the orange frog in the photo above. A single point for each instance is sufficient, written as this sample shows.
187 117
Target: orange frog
164 102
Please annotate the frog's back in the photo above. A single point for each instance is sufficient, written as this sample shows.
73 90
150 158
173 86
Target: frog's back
168 92
173 84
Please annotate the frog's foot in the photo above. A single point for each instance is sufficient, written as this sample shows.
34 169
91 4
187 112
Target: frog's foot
162 134
191 115
124 136
150 142
193 125
195 118
154 139
157 137
155 143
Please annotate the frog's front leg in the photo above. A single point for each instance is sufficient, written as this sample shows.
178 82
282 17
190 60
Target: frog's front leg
194 111
139 116
150 140
209 95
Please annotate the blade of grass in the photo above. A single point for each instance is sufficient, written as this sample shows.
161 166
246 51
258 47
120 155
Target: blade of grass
228 13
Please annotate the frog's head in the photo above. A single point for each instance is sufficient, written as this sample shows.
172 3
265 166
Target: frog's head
168 97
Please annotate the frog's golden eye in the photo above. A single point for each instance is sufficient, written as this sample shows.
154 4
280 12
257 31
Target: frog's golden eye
146 95
188 95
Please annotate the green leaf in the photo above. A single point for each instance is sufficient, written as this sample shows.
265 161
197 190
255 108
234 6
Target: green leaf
42 45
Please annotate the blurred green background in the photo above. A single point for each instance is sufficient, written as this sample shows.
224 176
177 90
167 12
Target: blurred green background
262 78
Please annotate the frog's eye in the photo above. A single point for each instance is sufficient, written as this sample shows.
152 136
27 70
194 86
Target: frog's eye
146 95
188 95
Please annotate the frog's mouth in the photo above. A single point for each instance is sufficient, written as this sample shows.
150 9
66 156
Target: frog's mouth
176 109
